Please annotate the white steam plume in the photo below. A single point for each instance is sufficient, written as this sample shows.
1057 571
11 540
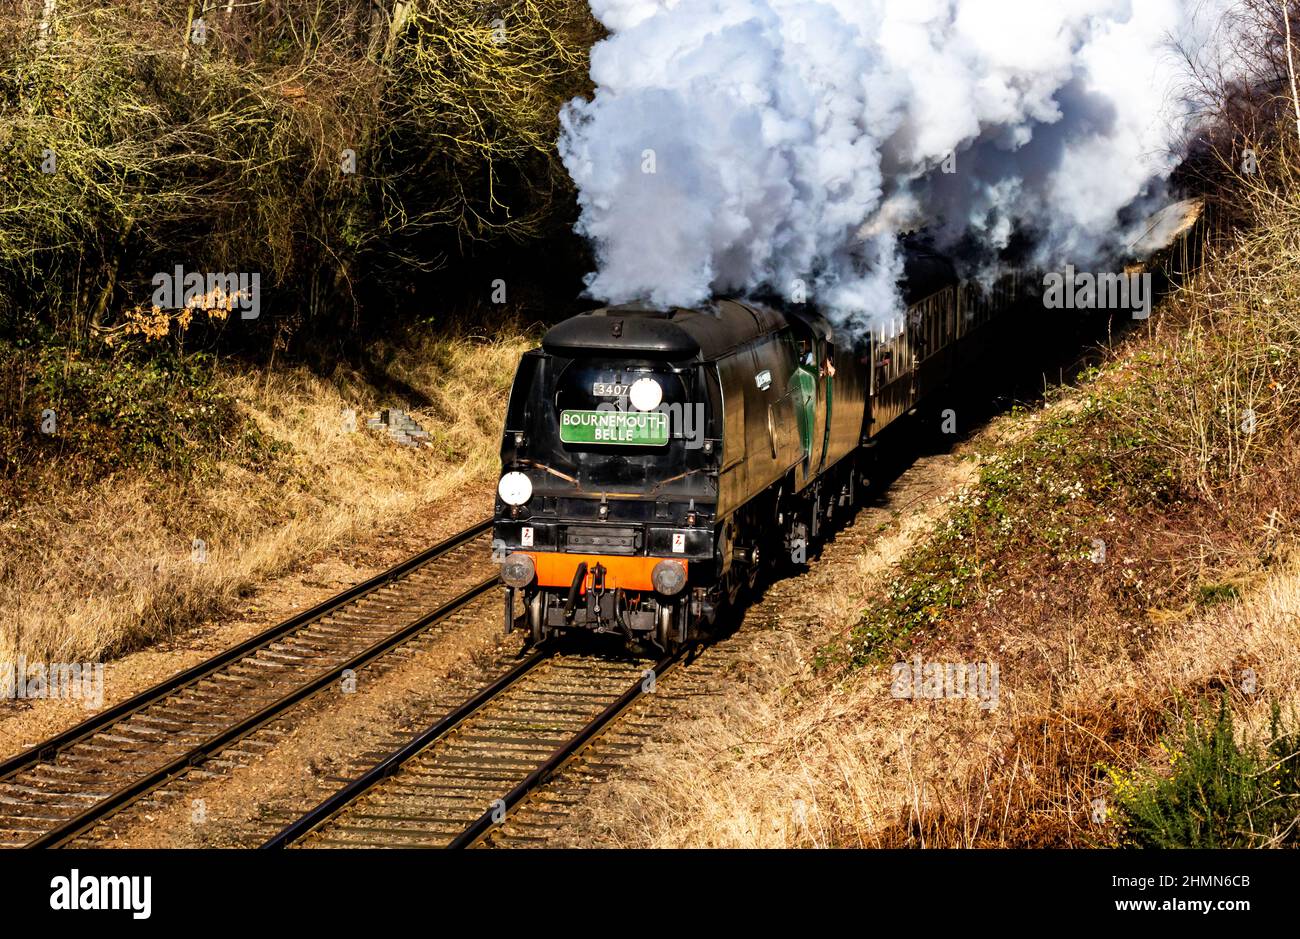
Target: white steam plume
737 145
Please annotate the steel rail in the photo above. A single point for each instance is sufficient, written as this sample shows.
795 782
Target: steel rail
562 755
47 750
86 819
330 808
392 764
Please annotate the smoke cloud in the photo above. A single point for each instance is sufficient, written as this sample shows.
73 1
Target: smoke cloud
733 146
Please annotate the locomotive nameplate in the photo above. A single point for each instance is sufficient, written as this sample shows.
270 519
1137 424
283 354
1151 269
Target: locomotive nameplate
627 428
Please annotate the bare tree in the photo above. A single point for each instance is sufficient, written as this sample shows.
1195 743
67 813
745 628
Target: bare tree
1290 64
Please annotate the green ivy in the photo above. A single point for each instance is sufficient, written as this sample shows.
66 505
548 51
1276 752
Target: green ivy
165 410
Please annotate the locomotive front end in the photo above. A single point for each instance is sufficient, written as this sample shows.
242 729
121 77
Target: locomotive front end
605 505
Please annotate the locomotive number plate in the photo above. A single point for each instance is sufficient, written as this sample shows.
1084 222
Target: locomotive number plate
628 428
608 389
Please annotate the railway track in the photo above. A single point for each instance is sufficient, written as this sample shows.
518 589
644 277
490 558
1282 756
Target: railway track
459 779
64 786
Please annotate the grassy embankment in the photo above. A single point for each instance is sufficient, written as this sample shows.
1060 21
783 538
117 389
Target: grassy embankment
97 557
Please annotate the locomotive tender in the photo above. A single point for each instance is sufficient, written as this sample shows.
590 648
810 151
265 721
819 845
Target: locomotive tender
655 463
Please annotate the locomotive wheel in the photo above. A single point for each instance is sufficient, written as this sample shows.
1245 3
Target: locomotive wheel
537 617
784 561
735 583
666 629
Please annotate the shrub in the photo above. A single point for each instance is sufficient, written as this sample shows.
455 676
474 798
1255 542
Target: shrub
84 416
1216 792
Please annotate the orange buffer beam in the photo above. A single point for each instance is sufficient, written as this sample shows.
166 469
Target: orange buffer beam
628 573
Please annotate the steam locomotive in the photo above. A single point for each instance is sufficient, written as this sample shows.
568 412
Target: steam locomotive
656 463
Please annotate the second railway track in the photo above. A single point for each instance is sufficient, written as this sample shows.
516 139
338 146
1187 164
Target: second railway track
460 778
64 786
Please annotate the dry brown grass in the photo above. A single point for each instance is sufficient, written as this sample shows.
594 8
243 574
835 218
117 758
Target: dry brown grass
104 570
